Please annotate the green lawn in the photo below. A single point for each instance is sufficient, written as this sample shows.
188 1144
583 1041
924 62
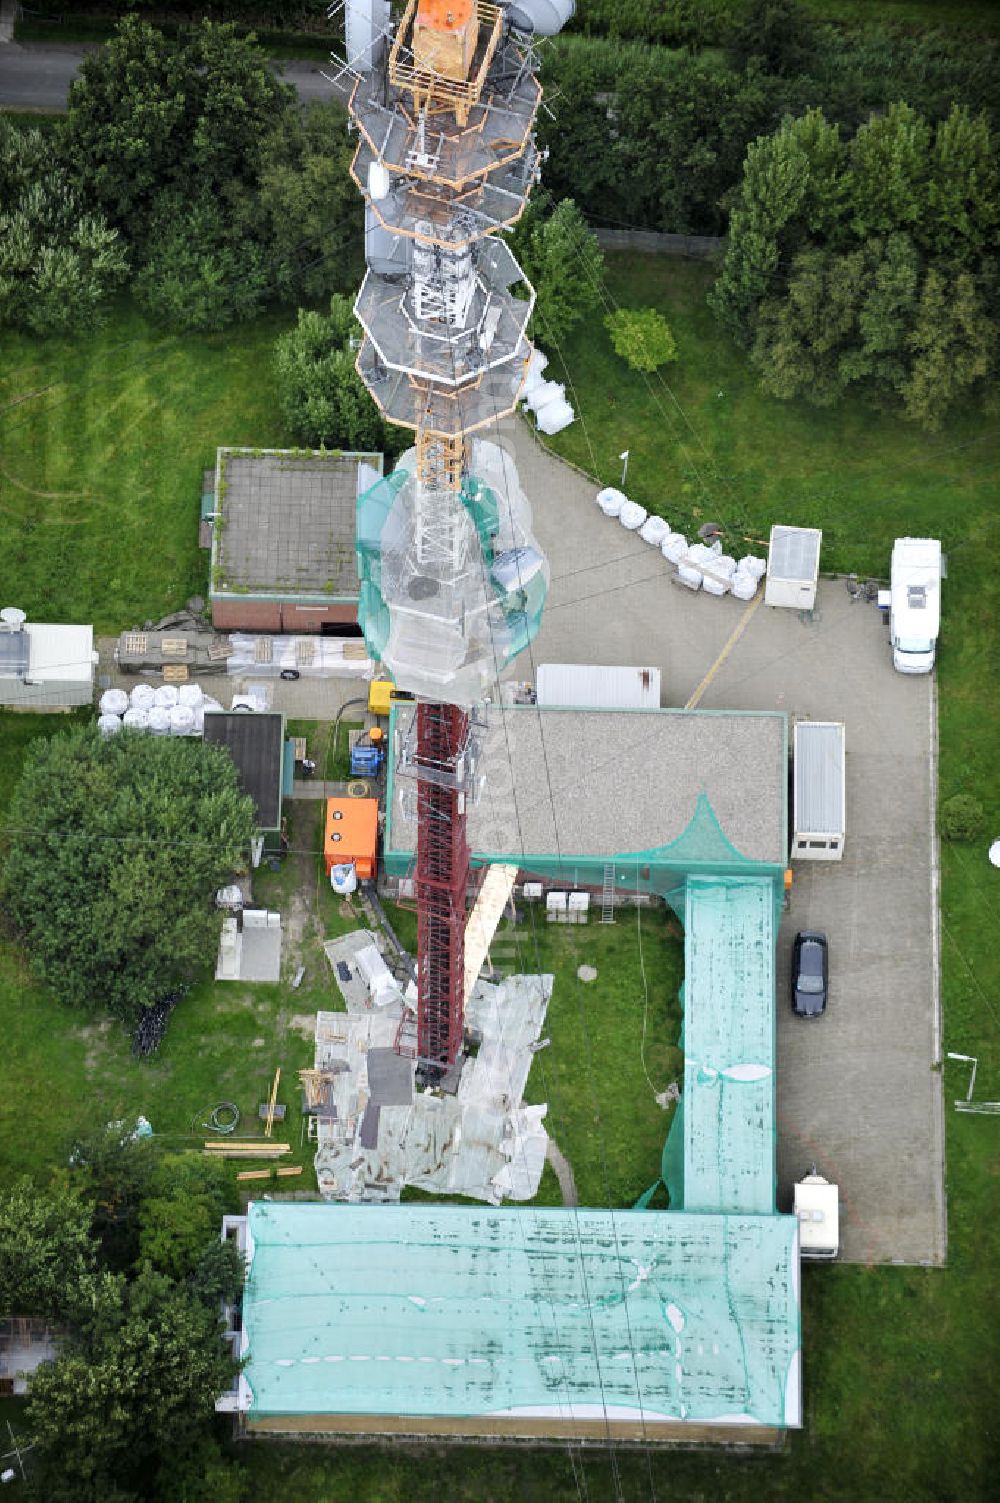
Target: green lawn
102 445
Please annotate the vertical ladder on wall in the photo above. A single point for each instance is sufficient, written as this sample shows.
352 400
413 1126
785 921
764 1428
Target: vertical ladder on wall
608 895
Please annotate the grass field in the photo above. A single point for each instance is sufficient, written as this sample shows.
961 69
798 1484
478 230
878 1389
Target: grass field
102 445
901 1390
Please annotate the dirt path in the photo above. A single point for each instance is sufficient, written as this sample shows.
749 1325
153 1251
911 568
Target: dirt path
564 1173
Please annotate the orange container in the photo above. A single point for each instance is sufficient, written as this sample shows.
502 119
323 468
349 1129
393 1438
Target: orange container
351 835
444 15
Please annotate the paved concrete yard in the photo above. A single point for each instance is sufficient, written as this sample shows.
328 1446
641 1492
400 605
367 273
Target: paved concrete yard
856 1089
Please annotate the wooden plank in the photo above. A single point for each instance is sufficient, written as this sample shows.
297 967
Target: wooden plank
269 1125
288 1169
255 1174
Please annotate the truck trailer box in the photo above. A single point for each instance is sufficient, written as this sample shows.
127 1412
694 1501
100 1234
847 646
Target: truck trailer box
915 603
819 790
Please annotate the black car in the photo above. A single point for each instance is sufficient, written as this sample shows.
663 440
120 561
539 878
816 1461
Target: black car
810 973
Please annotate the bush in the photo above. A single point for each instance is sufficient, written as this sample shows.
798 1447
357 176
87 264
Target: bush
323 399
962 817
642 338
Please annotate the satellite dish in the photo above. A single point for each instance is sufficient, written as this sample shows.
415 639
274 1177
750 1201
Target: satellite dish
13 617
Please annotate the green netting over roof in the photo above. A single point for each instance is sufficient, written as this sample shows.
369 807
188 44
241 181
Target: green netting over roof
727 1125
450 1311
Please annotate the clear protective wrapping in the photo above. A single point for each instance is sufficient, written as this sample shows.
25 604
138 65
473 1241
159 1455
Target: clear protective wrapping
453 582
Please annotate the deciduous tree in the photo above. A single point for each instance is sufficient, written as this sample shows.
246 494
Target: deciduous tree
116 849
642 338
322 397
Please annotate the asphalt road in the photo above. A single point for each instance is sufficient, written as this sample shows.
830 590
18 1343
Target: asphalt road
38 78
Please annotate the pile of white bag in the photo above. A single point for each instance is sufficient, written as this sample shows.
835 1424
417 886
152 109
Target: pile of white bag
547 399
699 565
168 710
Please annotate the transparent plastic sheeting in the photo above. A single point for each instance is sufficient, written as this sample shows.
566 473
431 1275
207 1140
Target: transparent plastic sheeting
452 582
720 1150
450 1311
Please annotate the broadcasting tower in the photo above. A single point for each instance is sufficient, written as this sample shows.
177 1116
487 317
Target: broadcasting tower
452 580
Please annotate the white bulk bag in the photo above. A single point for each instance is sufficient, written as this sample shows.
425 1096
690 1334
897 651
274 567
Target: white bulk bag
714 586
114 702
632 515
610 501
159 721
165 696
536 365
689 576
543 393
724 565
190 695
141 697
555 416
674 547
654 531
109 725
136 718
181 720
757 567
744 586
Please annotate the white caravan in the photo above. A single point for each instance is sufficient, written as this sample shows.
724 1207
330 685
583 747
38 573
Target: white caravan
915 603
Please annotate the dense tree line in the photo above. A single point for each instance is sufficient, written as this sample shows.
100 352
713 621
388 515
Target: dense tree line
116 849
185 158
655 138
868 262
122 1254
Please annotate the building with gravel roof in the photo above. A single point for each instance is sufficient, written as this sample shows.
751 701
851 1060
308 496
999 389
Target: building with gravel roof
648 795
282 539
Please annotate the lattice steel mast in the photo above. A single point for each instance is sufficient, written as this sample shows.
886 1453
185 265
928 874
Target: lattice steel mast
452 580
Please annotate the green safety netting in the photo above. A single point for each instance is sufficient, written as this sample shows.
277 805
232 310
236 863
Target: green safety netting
450 1311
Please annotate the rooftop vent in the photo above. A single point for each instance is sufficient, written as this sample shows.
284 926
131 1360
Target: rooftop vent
916 597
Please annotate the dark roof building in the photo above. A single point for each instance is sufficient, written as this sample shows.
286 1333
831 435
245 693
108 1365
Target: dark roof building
256 743
282 540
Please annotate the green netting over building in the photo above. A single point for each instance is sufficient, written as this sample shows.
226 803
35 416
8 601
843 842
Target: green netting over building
454 1320
720 1152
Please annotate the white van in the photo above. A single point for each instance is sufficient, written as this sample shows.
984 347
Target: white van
915 603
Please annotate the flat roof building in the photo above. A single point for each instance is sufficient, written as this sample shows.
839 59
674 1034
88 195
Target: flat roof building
441 1320
283 534
567 793
263 761
46 667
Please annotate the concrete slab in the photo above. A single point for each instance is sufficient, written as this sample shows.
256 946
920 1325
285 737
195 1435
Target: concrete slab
260 955
856 1089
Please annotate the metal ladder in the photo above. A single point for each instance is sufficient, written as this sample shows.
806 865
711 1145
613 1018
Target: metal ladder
608 896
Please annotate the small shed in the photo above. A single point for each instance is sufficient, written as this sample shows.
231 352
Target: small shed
819 799
351 835
588 687
793 567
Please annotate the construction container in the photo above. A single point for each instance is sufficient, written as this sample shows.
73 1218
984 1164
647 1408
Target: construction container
793 567
819 790
351 835
586 686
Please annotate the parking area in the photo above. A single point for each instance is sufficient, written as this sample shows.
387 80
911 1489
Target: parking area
857 1089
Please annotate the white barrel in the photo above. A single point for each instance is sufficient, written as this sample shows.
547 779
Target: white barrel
114 702
142 697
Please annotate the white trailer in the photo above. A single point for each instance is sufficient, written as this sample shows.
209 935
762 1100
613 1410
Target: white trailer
793 567
817 1208
583 686
819 790
915 603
